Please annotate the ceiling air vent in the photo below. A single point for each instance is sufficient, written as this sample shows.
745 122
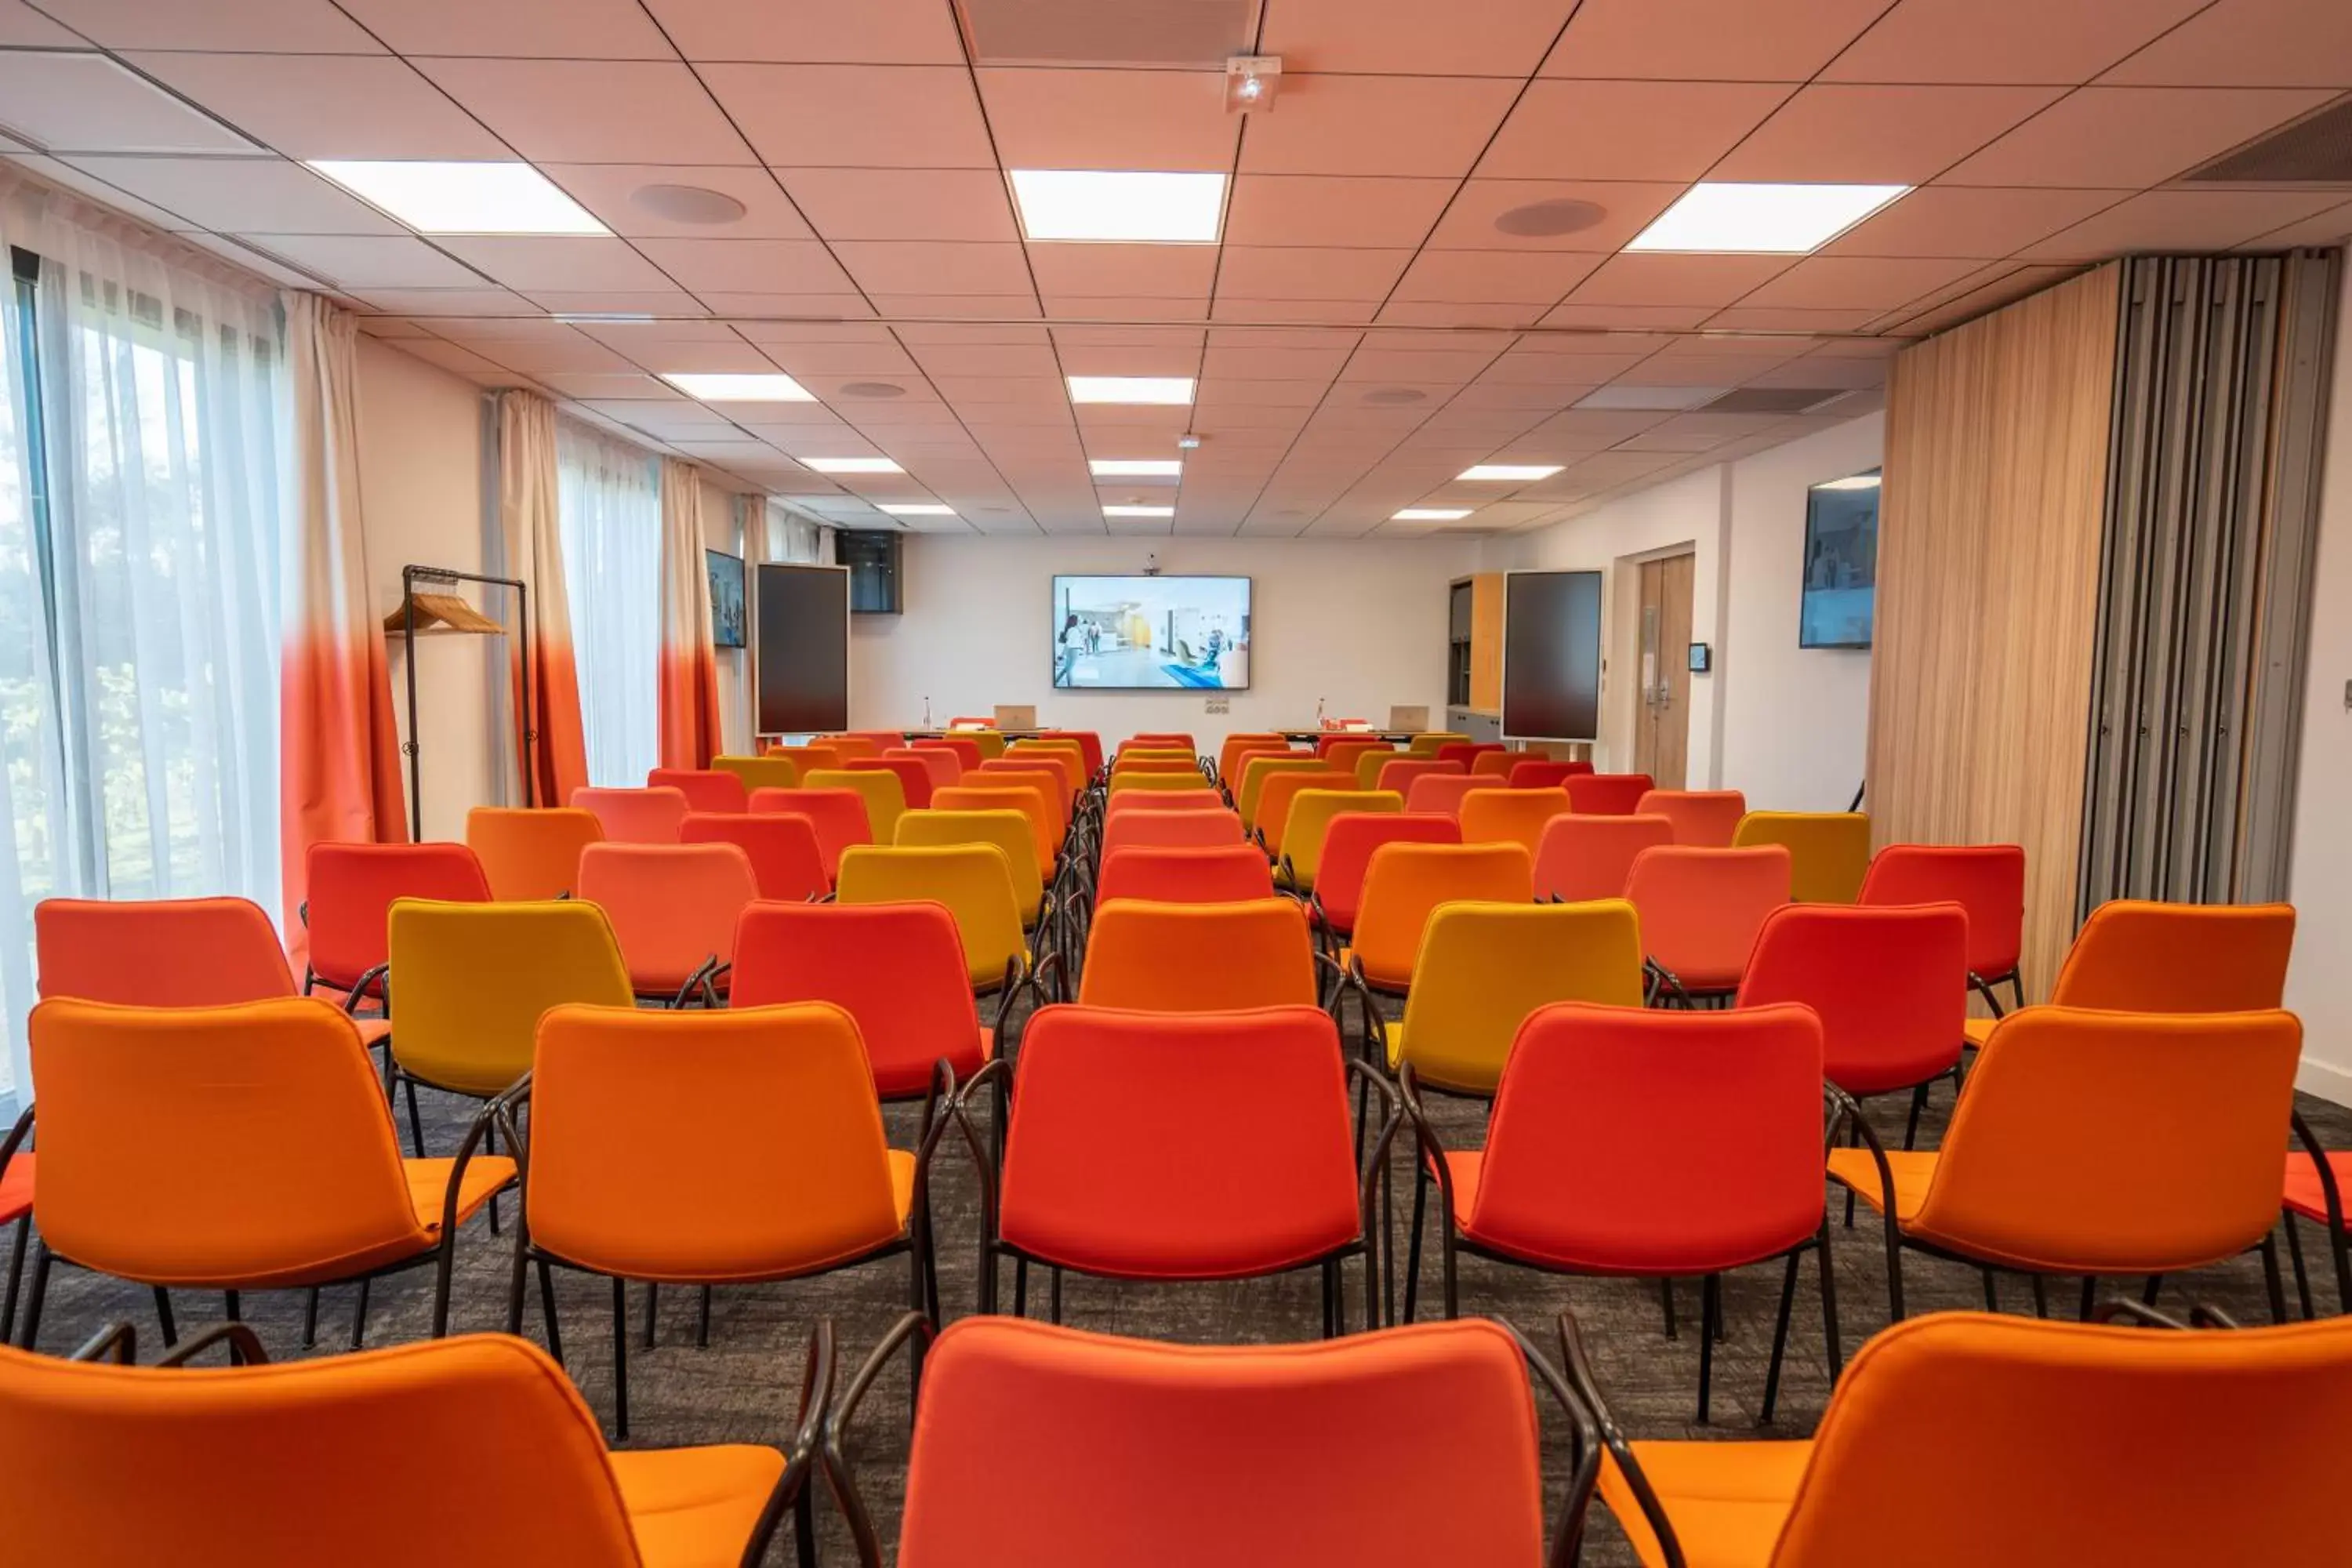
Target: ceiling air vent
1089 32
1772 400
2314 150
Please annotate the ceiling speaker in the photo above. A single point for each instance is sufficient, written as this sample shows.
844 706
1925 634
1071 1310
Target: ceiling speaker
687 203
1542 220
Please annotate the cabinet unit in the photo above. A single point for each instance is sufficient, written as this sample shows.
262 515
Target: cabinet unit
1473 668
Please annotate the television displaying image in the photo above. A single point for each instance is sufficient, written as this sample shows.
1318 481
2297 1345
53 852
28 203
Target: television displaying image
1137 634
1841 562
727 618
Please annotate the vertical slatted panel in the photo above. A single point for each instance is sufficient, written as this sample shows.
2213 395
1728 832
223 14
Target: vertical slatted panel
1988 566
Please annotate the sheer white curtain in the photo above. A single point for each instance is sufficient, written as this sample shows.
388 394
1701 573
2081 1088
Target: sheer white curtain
795 540
609 503
32 788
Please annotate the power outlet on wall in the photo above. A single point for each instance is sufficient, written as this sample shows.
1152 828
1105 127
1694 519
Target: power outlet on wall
1221 704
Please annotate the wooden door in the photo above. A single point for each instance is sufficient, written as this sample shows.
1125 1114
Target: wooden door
1661 735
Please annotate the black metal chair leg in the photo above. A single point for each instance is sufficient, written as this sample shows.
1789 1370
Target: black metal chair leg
1911 1128
2301 1276
804 1527
359 1315
2090 1295
1330 1306
416 1120
1710 1305
2147 1291
16 1250
2271 1280
702 1323
547 1311
1666 1296
2041 1297
164 1318
620 1359
1412 1242
310 1318
1835 1340
38 1295
1054 1305
1992 1293
1021 1286
1779 1341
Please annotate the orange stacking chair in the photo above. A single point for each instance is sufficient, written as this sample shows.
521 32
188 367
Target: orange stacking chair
972 722
1227 874
1183 797
758 773
1403 886
1261 766
1707 818
1701 910
1987 880
2095 1143
351 890
761 1156
1541 773
2057 1420
1016 793
1241 741
635 816
940 768
1342 752
814 754
1171 830
1348 845
838 815
1056 773
1063 761
705 789
881 740
16 1209
1397 774
1199 958
1169 1148
1276 794
673 909
1090 748
237 1148
1103 1423
1583 857
1661 1145
884 796
1510 817
965 751
257 1464
1829 851
1130 781
849 748
913 774
1163 740
1468 752
898 970
1443 794
1312 812
530 853
1427 743
1496 764
1607 795
787 862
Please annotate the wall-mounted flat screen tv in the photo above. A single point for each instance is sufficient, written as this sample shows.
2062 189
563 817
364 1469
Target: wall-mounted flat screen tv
1841 562
728 620
1151 634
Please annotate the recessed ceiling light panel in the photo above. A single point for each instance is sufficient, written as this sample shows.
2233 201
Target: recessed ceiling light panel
1138 511
1135 467
1782 219
1153 389
852 465
463 198
1431 514
1119 206
1514 473
730 386
925 510
1654 399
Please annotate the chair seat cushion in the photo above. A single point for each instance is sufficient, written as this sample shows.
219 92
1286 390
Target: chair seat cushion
907 1080
16 1187
374 1032
1911 1168
1978 1030
428 1184
1726 1502
2304 1195
696 1508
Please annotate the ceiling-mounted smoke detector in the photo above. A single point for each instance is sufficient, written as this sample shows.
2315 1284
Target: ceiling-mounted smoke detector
1251 82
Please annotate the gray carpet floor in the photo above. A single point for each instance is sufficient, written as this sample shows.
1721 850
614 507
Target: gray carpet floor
744 1386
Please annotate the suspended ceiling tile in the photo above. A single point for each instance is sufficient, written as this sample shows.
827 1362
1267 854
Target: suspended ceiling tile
592 111
1081 359
1770 319
626 386
1660 279
815 310
383 261
568 261
2182 221
609 192
1307 272
2060 42
67 177
855 116
1842 282
1456 313
934 266
667 303
1365 211
1096 118
1842 133
1708 40
748 265
248 195
1581 129
441 302
877 32
1429 126
1538 278
2250 43
903 204
257 27
1985 222
1411 37
1132 271
2120 136
22 28
2328 228
1626 207
957 308
71 103
1585 317
329 106
575 29
453 357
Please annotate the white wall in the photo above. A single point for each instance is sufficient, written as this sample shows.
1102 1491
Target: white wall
1358 623
2320 875
421 478
1787 725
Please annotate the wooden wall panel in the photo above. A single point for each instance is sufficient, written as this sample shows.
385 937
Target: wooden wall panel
1988 586
1487 642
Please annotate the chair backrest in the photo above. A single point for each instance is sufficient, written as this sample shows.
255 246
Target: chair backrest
1199 958
1443 794
1988 880
1829 851
1241 740
2118 1143
159 953
939 768
759 1122
1703 818
2058 1418
787 861
118 1464
884 795
1397 774
1103 1423
1142 760
1312 812
760 772
672 906
1581 857
1890 986
1482 968
882 740
1060 763
1170 829
1404 885
913 775
1262 767
963 748
1701 908
1277 795
1494 764
1341 752
897 969
530 853
705 789
1190 798
1427 743
635 816
1090 747
1052 775
1009 829
1607 795
1510 816
1468 752
848 747
1654 1140
471 980
991 744
838 815
1181 780
1010 792
352 886
1226 874
2133 956
973 880
814 754
1348 845
1174 1147
1543 773
185 1145
1163 740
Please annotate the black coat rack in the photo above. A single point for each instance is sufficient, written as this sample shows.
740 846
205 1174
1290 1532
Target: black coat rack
527 746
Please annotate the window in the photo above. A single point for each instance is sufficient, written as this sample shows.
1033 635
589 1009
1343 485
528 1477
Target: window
141 420
608 505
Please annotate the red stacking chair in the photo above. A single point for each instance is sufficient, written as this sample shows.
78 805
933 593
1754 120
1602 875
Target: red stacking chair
673 909
1202 799
1701 910
1543 773
837 815
1226 874
1065 790
1162 739
1443 794
914 776
1348 848
1399 775
1639 1143
966 753
787 861
635 816
944 767
1202 829
351 890
1988 880
1607 795
1705 817
1584 858
705 789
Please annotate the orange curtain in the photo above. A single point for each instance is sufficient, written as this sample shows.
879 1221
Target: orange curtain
689 664
338 752
555 749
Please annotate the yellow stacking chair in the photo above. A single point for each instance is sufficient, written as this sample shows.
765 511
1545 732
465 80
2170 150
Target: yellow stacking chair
1829 851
